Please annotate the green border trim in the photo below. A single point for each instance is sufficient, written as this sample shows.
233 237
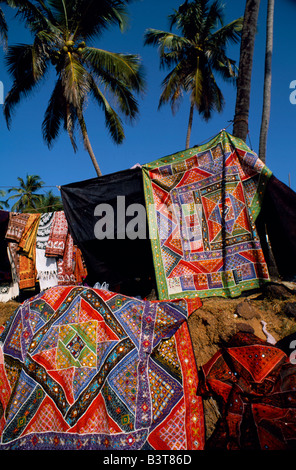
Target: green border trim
183 154
159 268
227 292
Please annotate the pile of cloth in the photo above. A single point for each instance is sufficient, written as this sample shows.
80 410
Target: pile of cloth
37 248
89 369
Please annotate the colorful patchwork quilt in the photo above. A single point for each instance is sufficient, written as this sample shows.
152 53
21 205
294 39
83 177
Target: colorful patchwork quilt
94 370
202 205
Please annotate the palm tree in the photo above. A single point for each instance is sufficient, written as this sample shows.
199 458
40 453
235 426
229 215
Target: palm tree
197 56
26 193
3 204
60 29
3 28
241 117
48 202
267 81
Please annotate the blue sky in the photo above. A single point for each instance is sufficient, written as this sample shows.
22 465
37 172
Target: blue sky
156 133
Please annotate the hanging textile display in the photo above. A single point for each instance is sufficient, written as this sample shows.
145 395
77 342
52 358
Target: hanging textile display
56 242
90 369
27 250
66 264
80 271
202 205
9 260
5 270
46 267
16 226
10 290
108 222
278 218
37 251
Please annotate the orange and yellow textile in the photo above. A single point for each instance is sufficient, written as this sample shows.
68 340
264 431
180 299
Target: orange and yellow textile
27 252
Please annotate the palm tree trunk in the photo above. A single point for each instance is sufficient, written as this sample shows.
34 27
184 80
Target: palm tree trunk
267 81
241 117
87 143
91 153
189 126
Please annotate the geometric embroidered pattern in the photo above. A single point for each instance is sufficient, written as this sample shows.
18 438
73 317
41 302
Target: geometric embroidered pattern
202 224
92 369
173 428
77 345
260 412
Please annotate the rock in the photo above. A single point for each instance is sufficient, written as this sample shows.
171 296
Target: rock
277 291
290 285
290 309
247 311
244 327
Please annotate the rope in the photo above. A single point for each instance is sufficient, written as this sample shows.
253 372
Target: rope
210 138
43 207
55 186
250 140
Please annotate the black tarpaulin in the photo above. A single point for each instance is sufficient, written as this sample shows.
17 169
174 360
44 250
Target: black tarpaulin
5 268
277 218
121 260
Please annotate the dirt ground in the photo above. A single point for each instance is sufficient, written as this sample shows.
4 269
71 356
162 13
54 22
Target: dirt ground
6 310
219 319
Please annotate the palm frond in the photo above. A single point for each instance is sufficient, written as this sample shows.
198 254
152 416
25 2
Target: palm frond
171 47
229 34
198 86
112 120
212 98
173 86
126 68
3 28
189 18
89 18
214 17
121 96
48 202
74 82
28 67
60 10
54 115
70 120
26 61
225 67
34 14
